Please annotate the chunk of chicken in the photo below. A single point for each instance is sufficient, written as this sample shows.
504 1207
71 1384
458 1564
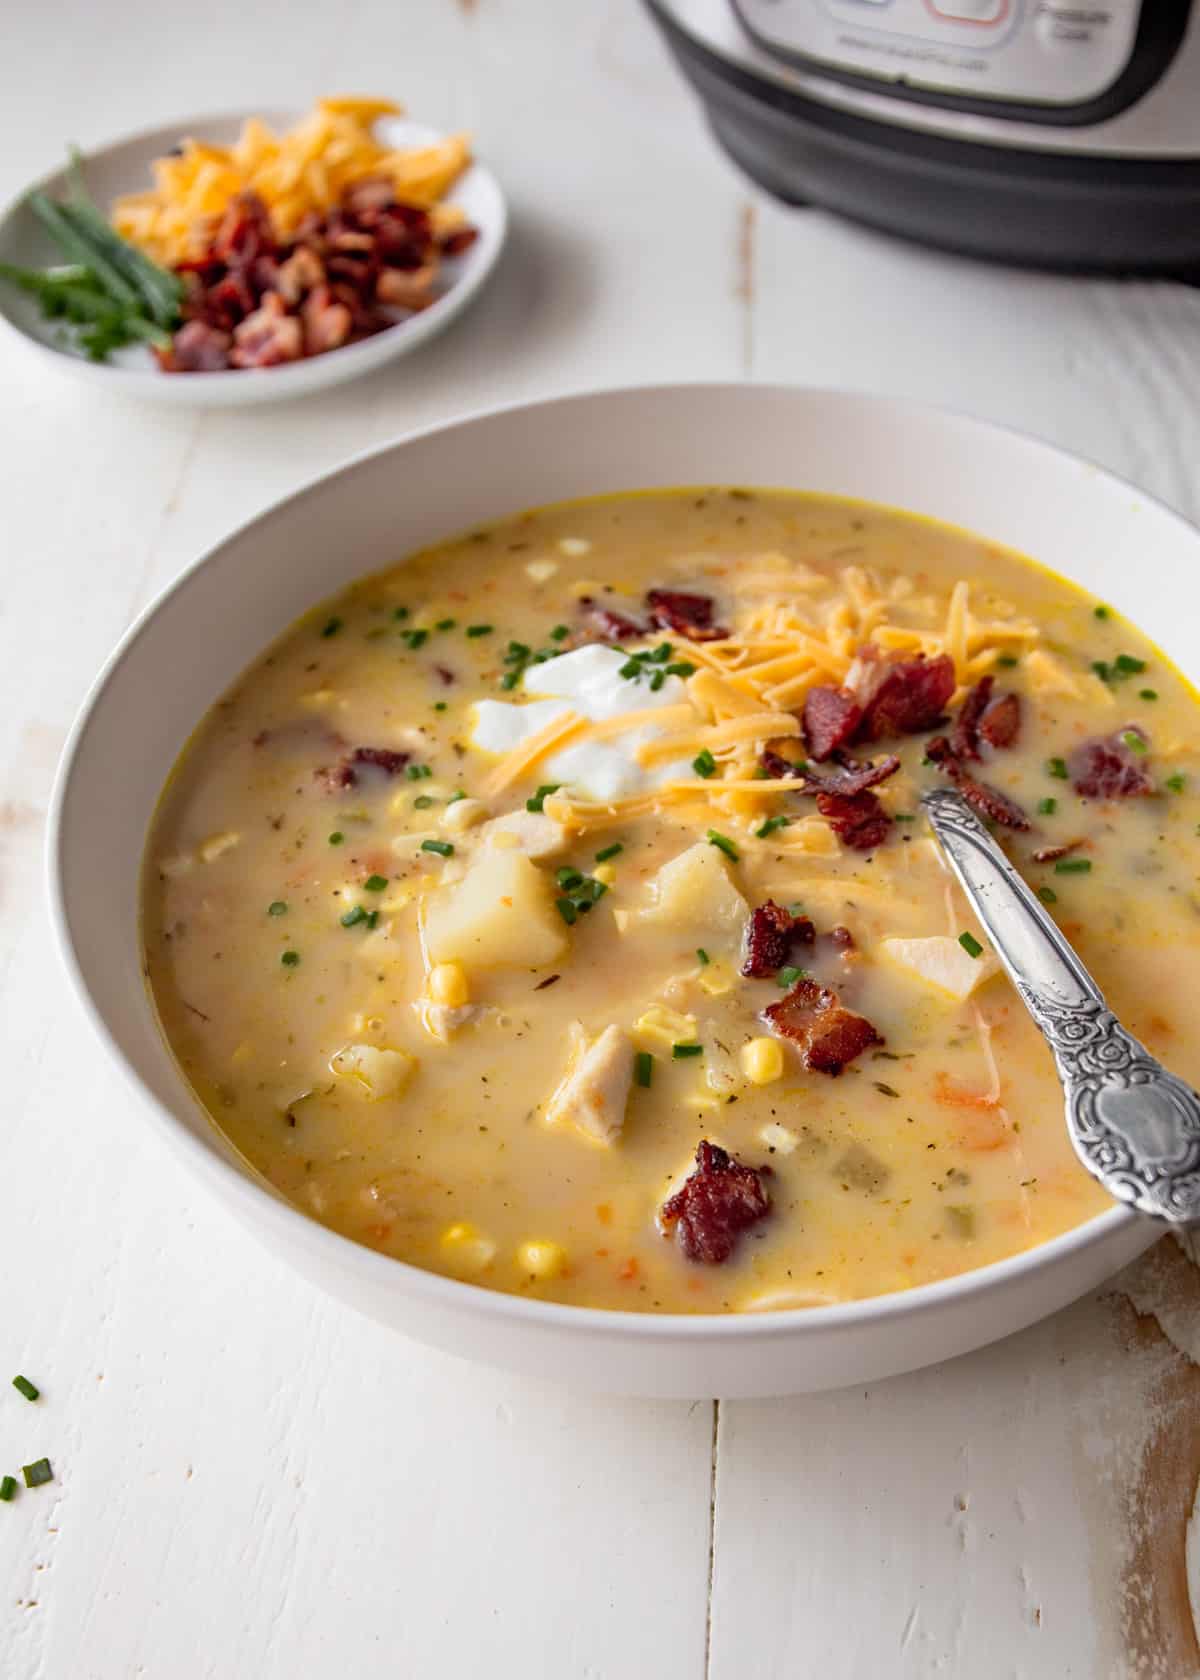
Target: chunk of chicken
595 1088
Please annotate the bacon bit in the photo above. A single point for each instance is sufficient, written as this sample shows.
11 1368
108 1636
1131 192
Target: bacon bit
771 933
267 337
828 1035
382 758
856 776
604 625
831 720
778 767
629 1270
858 820
984 798
964 737
1001 723
842 939
200 348
327 321
716 1203
687 615
446 674
909 697
1104 768
335 777
1051 854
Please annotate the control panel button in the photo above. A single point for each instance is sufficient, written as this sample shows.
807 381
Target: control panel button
970 11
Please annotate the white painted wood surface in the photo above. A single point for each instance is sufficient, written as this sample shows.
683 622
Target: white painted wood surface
251 1482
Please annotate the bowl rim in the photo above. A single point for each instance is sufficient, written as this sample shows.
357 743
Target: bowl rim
263 1205
361 356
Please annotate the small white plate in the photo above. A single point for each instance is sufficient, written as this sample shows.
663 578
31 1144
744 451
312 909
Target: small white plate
125 167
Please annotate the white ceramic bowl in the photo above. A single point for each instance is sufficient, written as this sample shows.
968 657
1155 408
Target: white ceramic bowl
189 646
125 167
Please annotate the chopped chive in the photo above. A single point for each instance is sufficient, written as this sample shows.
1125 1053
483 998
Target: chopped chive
480 629
643 1068
336 838
885 1090
455 796
538 801
418 772
1102 669
439 705
657 679
566 910
1134 742
723 844
516 652
702 956
1047 895
1008 660
423 801
354 916
375 883
681 1052
1047 807
904 816
372 918
1101 612
331 627
704 764
509 680
443 848
796 907
399 612
970 944
681 668
568 877
609 852
289 959
1177 783
25 1387
1147 694
277 908
559 633
770 825
661 653
416 638
1057 767
1130 666
1073 866
38 1473
445 624
632 669
8 1486
787 977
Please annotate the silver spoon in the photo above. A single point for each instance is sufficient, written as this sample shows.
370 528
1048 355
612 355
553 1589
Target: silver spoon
1134 1126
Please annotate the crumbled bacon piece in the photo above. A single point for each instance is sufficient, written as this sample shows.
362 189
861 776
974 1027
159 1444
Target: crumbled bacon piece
831 720
267 337
964 737
686 614
997 807
1051 854
327 322
908 697
856 776
197 348
382 758
335 777
601 623
827 1034
1105 768
771 933
715 1204
777 767
858 819
410 289
841 939
1001 723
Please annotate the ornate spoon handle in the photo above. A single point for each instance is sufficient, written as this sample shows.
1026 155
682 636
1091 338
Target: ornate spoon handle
1134 1126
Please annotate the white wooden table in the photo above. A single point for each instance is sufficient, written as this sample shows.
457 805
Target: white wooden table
251 1482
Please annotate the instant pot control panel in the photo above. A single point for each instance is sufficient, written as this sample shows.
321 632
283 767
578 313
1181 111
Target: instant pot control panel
1030 52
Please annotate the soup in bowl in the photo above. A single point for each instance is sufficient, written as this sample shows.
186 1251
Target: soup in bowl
549 906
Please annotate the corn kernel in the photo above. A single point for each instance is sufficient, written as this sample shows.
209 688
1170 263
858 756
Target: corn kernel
574 546
541 1259
541 571
715 978
668 1026
605 872
448 984
465 1248
762 1060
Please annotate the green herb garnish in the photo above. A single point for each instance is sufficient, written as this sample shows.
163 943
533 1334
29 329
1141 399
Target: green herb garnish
277 908
418 772
1008 660
8 1486
423 801
787 977
25 1387
1057 767
1047 807
970 944
559 633
1134 742
1047 895
681 1052
375 883
480 629
1073 866
770 825
445 624
38 1473
416 638
723 844
354 916
643 1068
568 878
566 910
704 764
1147 694
609 852
538 801
289 959
1101 612
336 838
1176 783
331 627
702 956
443 848
681 668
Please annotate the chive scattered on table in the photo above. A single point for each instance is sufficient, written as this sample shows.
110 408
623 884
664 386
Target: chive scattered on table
25 1387
38 1473
8 1486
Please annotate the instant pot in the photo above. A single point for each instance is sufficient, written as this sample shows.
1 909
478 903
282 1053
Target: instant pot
1059 133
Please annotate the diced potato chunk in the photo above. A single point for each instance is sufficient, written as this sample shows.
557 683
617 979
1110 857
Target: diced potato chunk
694 897
500 915
942 964
531 832
595 1088
373 1072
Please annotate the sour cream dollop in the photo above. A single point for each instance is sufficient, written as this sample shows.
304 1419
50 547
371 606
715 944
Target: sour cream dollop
586 681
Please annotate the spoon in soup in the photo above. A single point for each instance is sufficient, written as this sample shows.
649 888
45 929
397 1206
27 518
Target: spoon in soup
1134 1126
